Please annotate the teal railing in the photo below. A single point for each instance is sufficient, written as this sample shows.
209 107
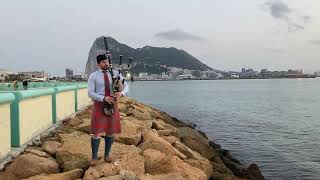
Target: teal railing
14 97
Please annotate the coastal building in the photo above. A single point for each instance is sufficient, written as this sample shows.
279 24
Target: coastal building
154 77
35 74
174 69
265 74
196 73
220 76
235 75
187 71
181 74
77 77
295 72
4 73
69 74
185 77
243 70
175 72
248 74
208 75
143 75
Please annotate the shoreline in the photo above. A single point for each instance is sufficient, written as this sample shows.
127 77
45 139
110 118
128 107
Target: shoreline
228 79
152 145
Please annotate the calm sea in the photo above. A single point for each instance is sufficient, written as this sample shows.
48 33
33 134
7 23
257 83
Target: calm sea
275 123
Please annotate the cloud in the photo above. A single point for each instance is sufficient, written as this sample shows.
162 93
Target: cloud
306 18
274 50
281 11
278 9
178 35
314 42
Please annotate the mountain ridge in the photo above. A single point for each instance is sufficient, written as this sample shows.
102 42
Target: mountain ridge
148 59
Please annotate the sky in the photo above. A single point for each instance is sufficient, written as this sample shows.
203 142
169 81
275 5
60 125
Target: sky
224 34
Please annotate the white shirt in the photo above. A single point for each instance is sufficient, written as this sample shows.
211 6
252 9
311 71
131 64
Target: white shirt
96 85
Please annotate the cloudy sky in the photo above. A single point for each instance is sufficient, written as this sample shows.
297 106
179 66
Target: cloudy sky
225 34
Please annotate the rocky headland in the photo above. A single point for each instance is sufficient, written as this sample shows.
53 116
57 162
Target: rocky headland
152 146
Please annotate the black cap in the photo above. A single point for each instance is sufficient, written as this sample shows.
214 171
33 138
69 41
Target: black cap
101 57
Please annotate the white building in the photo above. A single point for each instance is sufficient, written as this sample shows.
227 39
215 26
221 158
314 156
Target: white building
143 75
187 71
164 75
208 75
156 76
234 75
220 76
185 77
4 73
174 69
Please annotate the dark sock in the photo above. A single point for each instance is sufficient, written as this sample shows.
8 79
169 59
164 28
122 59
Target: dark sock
95 147
109 141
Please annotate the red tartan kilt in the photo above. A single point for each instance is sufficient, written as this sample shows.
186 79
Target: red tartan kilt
101 123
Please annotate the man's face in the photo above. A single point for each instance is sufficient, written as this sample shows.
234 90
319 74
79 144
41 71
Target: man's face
104 64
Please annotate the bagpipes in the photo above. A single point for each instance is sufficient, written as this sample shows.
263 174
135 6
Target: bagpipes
117 83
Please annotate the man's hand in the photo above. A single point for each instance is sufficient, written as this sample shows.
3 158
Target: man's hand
117 95
109 99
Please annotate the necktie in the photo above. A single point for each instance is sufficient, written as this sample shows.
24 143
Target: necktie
106 83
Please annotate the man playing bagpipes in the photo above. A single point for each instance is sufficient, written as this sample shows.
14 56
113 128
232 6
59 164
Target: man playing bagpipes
105 117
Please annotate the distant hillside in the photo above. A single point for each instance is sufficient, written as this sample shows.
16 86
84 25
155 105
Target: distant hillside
146 59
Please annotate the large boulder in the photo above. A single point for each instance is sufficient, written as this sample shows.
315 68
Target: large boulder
220 171
187 151
114 177
75 152
170 139
254 173
51 147
134 103
85 126
127 158
167 132
196 142
36 151
237 169
159 115
130 132
128 139
85 114
151 140
123 175
203 164
164 129
150 156
52 136
158 163
122 108
138 113
170 176
146 124
28 165
74 121
70 175
69 161
137 110
128 175
158 125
